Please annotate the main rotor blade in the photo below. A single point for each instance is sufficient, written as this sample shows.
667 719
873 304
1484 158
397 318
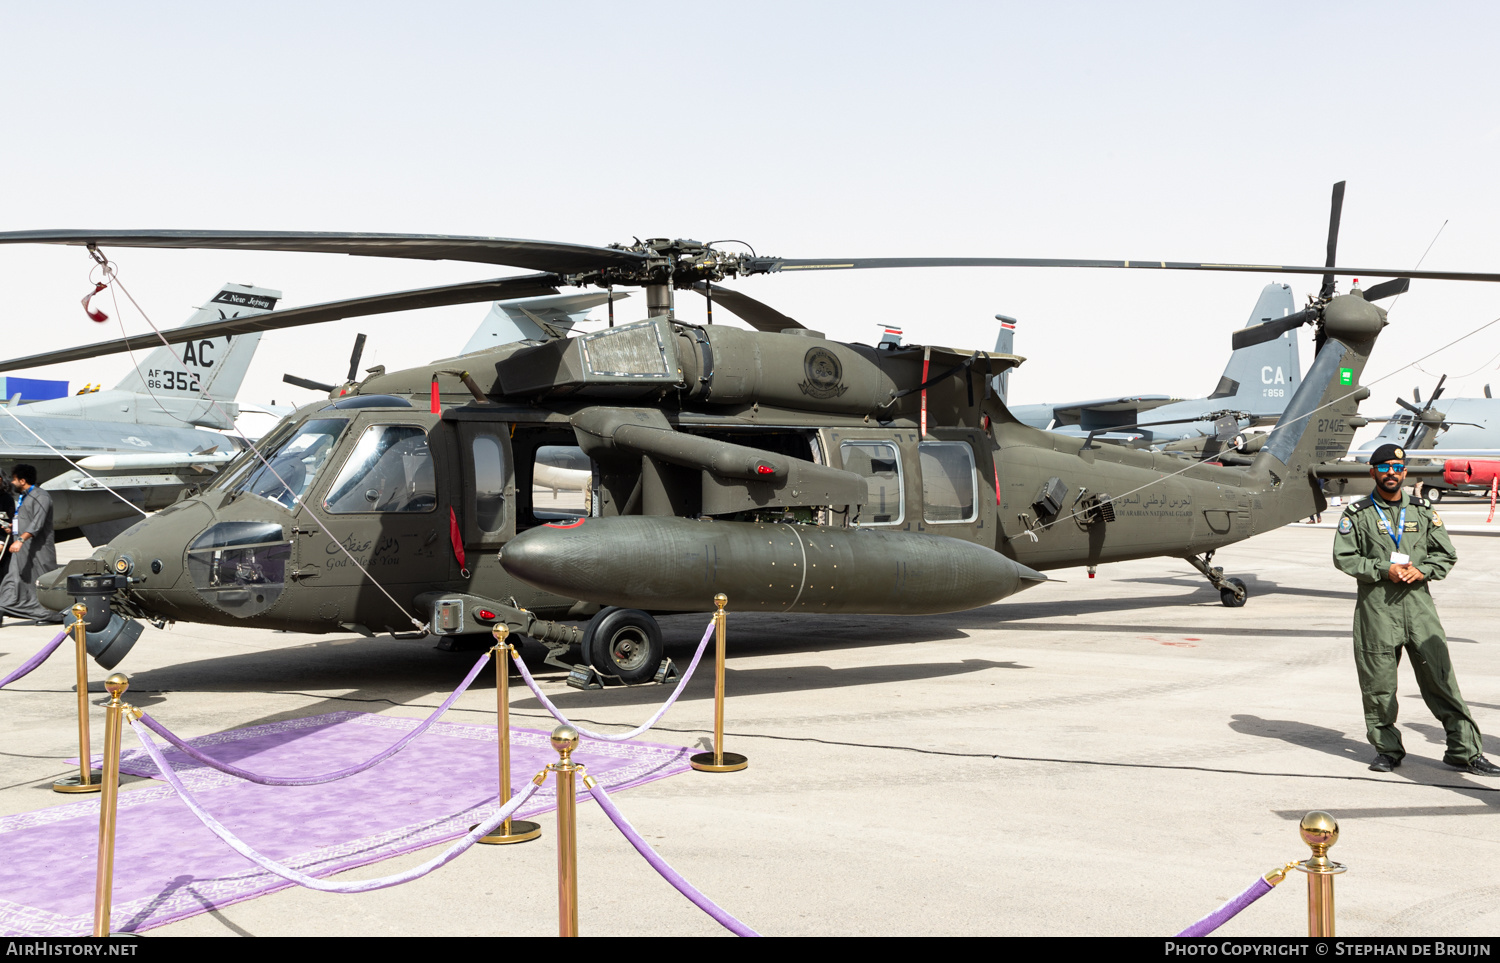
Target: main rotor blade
359 350
499 289
1269 330
557 257
306 383
760 316
1386 289
1336 210
767 265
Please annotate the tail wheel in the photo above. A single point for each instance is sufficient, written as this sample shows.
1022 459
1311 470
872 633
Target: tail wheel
625 644
1228 597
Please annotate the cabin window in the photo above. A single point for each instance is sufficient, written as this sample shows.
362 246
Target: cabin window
489 482
288 470
949 482
561 482
390 470
879 464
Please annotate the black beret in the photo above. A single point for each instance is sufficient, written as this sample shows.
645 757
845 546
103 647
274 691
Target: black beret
1387 453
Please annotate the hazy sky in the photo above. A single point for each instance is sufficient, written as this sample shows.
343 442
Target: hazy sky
1142 131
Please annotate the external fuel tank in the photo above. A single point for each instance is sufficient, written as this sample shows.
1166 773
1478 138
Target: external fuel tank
678 564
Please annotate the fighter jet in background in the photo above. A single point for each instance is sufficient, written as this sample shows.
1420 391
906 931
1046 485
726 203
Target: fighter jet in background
1253 390
148 437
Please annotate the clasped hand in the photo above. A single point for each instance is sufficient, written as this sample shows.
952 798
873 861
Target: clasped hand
1404 573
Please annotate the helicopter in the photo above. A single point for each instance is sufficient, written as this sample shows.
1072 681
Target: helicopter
792 472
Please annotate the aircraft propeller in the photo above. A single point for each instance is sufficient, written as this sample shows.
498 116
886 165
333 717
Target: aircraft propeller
1425 419
1313 313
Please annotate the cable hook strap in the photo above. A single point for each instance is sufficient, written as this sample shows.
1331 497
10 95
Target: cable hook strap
94 313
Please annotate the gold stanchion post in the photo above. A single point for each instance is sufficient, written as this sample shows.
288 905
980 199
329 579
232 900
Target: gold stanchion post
512 830
565 740
719 760
1320 831
104 879
88 778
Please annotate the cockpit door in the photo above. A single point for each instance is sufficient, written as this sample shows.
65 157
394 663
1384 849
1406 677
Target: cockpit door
383 502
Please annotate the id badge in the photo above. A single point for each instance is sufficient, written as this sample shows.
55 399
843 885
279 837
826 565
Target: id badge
1399 559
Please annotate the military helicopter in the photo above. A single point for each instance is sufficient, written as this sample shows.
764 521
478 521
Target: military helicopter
790 471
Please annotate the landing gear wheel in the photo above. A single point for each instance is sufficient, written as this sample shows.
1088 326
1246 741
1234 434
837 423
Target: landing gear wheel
1434 495
625 644
1228 597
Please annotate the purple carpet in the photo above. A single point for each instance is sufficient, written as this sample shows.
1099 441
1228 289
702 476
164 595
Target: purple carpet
168 867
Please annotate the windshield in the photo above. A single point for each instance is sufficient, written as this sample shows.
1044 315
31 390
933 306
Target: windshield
390 470
232 474
293 464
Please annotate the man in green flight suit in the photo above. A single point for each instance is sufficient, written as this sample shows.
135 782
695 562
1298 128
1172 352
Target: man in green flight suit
1393 545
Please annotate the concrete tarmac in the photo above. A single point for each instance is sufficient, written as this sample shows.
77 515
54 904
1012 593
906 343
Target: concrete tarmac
1113 756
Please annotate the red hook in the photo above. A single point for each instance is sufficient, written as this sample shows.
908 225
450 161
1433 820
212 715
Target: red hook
94 313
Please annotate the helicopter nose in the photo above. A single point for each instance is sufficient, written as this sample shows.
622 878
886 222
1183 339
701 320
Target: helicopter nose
149 554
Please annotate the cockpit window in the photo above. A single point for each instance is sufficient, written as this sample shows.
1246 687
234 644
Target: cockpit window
390 470
288 469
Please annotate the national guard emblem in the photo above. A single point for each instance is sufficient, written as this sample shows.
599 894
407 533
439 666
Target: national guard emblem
824 374
1345 525
1437 520
1400 453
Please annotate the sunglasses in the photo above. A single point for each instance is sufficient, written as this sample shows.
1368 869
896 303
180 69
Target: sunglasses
1389 466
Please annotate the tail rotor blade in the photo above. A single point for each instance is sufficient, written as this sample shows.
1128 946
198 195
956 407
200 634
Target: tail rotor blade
359 349
1334 214
1269 331
1386 289
1408 406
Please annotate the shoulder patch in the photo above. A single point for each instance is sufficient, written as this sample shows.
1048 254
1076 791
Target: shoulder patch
1437 520
1346 525
1359 504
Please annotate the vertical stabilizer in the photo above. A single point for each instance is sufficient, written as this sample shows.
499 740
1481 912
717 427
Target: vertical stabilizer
176 384
1005 341
1316 426
1262 378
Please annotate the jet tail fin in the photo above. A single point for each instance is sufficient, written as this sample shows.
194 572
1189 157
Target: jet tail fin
182 381
534 319
1262 378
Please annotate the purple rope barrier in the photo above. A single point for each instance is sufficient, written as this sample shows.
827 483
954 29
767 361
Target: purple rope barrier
660 865
1231 909
373 761
638 730
311 882
26 667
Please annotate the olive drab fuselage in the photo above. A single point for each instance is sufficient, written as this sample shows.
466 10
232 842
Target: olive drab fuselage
370 510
